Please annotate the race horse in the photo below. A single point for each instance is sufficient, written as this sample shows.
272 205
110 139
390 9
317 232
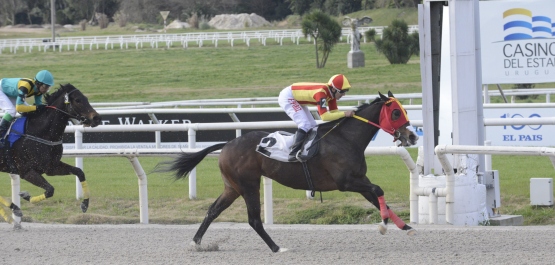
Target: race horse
339 165
38 149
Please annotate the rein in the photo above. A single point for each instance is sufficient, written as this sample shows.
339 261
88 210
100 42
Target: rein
377 125
37 139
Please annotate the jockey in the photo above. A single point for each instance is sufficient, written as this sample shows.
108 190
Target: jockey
15 90
294 98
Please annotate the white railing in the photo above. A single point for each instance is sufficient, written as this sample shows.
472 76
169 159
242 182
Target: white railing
449 191
167 40
132 155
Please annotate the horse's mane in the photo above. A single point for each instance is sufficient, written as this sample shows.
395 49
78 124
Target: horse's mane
361 107
50 98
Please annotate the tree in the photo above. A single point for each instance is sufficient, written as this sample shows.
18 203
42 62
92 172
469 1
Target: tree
325 31
9 8
396 43
299 7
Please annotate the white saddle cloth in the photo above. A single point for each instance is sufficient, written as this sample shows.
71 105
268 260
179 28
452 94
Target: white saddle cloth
277 145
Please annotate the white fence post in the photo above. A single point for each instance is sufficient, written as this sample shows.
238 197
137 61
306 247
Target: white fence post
193 175
143 189
268 202
16 188
79 164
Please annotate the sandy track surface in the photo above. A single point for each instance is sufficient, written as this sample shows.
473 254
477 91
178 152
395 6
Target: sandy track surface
308 244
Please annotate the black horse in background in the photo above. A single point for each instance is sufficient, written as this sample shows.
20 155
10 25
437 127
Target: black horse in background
39 150
339 165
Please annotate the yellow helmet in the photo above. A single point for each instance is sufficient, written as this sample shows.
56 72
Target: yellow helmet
340 82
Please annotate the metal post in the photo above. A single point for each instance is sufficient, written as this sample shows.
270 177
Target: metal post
16 188
193 175
164 16
143 189
79 164
53 19
268 202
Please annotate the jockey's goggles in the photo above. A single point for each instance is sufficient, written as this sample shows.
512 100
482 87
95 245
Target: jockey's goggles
342 91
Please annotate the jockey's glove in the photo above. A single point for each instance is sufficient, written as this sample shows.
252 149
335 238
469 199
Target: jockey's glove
40 107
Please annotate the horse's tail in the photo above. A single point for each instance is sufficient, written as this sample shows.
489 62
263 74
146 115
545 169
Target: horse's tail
186 162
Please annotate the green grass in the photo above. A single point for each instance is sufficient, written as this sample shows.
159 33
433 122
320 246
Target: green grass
200 73
114 194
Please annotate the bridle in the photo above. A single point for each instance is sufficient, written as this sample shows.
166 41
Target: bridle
392 130
77 117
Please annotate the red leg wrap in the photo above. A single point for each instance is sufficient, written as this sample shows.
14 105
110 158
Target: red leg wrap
383 208
398 222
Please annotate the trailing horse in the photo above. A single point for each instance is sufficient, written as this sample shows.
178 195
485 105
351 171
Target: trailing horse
339 165
38 148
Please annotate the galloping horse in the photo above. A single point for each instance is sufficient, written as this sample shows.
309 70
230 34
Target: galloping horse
339 165
40 149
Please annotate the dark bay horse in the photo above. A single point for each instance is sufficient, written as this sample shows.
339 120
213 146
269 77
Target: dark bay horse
339 165
40 149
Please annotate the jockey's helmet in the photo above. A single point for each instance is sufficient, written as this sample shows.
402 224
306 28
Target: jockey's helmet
45 77
340 82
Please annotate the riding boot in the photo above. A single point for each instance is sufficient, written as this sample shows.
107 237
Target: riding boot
4 125
300 135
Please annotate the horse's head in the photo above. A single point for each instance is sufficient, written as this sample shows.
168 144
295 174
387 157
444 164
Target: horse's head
76 105
394 120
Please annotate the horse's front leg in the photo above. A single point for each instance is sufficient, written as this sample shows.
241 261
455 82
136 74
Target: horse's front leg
62 169
377 198
375 195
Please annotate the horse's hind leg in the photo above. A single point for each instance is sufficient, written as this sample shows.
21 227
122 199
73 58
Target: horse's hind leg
223 202
38 180
15 209
62 169
252 199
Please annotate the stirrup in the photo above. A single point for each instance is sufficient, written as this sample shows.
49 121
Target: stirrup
295 157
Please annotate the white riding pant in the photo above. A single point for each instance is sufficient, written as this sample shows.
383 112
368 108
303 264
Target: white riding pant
7 104
297 112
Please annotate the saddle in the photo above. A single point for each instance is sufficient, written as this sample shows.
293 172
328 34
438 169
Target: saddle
277 145
16 130
14 133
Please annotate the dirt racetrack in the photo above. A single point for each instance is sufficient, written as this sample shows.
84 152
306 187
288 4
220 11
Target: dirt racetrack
308 244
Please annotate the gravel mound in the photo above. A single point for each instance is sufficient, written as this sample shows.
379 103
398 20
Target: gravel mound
238 21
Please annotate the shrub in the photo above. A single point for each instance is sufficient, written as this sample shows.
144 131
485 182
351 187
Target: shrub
121 19
525 86
396 43
103 21
83 24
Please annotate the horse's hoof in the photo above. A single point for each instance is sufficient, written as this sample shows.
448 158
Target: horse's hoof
412 232
18 213
17 226
193 244
282 250
25 195
85 205
382 228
